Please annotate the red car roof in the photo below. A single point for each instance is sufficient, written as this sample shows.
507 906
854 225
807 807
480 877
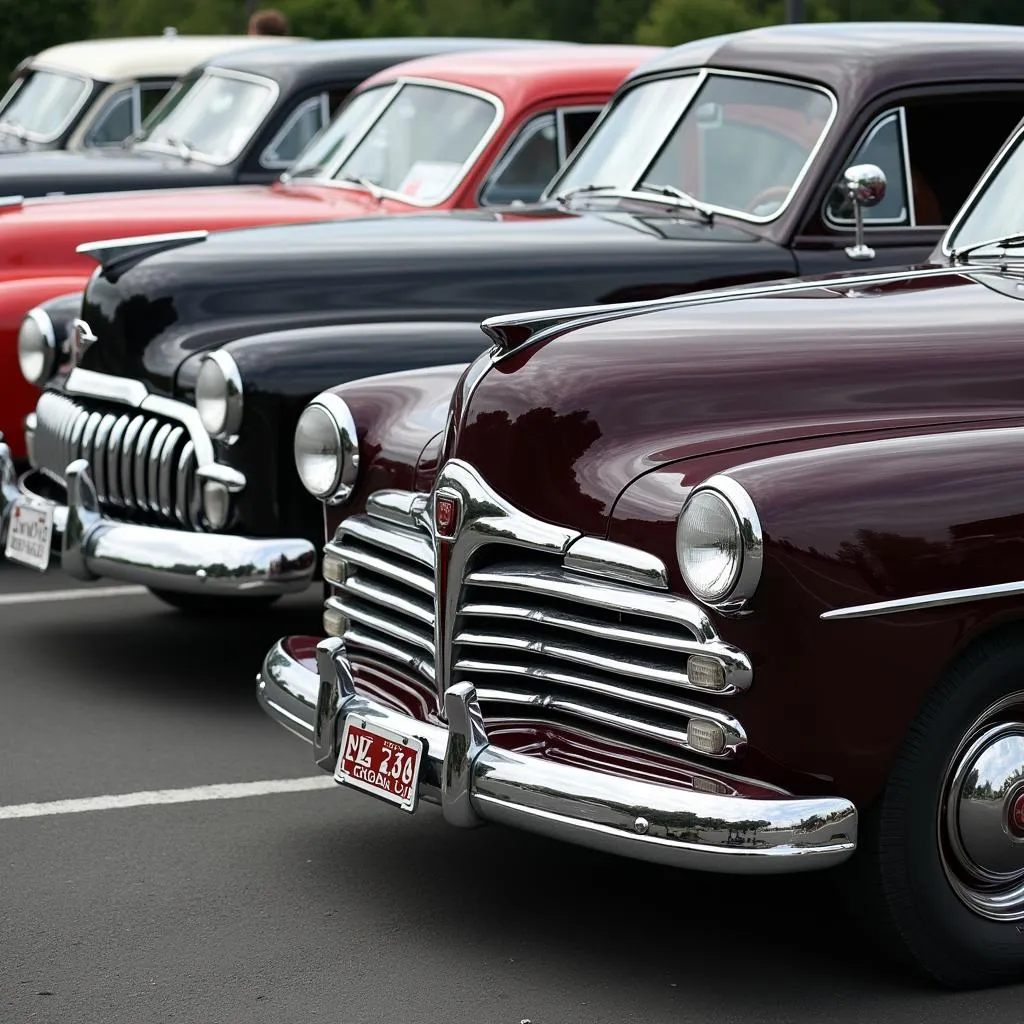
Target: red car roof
520 77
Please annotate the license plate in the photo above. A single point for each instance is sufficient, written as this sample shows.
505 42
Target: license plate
379 761
29 534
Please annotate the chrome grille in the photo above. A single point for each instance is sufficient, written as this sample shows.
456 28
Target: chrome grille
541 642
143 465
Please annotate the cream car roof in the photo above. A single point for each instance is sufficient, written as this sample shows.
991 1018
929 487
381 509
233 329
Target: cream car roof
113 60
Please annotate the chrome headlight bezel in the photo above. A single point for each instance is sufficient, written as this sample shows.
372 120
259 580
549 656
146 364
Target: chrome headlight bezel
37 330
221 410
339 431
749 541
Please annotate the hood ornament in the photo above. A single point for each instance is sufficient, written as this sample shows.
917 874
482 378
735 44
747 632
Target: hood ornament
81 338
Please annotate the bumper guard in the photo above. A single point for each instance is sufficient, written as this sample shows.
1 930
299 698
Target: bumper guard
93 546
476 782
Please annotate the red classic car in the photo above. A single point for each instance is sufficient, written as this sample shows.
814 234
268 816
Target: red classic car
732 581
468 129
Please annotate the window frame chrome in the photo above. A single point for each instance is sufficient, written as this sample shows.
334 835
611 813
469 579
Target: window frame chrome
704 74
998 162
909 218
215 72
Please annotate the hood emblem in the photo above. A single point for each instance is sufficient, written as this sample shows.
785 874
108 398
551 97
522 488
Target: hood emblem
81 338
446 515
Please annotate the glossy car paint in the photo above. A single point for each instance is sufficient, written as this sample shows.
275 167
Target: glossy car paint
877 427
38 240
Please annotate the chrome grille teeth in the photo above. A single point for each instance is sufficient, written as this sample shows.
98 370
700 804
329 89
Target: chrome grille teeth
542 643
140 463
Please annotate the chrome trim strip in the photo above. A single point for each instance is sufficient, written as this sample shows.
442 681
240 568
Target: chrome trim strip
359 589
100 450
156 452
114 452
112 251
382 625
181 496
142 455
941 599
414 546
131 496
91 384
473 780
166 472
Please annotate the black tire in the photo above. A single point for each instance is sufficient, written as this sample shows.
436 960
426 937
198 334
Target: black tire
214 606
902 881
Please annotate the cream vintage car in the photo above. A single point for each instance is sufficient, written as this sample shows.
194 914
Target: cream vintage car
98 92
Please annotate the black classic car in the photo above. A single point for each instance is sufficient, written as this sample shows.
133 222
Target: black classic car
162 448
237 119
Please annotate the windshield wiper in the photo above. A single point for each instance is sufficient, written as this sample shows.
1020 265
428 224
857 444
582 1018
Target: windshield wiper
15 129
564 197
185 148
643 193
1009 242
684 197
364 183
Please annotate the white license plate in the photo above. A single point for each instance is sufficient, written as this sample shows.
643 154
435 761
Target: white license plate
379 761
29 535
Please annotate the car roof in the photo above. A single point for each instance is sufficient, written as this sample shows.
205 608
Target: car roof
168 56
322 59
876 55
521 76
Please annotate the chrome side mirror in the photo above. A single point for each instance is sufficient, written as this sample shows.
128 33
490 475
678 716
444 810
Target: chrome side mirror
865 187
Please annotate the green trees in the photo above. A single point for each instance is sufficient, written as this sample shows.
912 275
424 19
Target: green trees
29 28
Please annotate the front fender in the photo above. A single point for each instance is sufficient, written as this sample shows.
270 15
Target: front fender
845 525
18 397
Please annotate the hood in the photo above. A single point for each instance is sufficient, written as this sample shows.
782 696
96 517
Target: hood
101 170
444 266
44 233
598 406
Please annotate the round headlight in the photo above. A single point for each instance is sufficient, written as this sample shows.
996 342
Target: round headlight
37 347
326 454
719 544
219 395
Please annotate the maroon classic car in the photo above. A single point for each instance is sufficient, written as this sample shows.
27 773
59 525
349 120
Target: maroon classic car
731 581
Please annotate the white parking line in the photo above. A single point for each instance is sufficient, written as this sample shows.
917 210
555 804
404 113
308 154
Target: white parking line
79 594
225 791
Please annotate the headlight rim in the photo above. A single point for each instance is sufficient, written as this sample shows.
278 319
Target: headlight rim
49 337
340 416
234 400
751 540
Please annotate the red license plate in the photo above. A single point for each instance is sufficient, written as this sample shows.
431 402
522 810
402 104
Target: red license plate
380 761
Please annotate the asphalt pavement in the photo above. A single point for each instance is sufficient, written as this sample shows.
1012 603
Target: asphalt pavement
322 905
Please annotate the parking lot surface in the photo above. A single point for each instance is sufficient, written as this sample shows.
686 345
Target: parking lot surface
280 898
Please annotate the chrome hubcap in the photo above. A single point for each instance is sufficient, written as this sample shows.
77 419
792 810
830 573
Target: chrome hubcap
981 820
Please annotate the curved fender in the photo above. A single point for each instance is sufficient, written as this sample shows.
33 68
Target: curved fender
17 396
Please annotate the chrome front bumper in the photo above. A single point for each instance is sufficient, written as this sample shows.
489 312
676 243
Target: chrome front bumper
476 782
92 546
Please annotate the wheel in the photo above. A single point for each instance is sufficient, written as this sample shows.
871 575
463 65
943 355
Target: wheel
939 871
210 606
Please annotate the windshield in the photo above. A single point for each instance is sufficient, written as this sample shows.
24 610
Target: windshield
323 150
211 118
996 210
422 142
43 105
732 142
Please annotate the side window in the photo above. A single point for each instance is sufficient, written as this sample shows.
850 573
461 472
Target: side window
573 126
300 128
150 94
883 145
115 122
911 144
527 165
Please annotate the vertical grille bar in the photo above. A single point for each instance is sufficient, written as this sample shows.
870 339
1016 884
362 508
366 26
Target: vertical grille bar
114 459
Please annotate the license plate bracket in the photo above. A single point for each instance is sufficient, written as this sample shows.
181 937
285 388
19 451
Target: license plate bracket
29 534
379 761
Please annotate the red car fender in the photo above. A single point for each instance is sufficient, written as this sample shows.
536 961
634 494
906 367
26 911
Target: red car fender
17 397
